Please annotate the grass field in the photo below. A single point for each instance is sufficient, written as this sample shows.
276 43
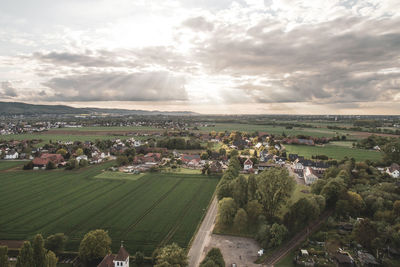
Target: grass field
334 151
8 164
154 210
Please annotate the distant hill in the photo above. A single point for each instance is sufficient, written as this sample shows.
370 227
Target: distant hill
16 108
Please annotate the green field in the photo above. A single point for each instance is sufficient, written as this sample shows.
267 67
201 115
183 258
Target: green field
8 164
334 151
154 210
59 137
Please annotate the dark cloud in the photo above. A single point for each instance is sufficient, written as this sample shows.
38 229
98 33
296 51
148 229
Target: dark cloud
7 91
198 24
335 61
151 86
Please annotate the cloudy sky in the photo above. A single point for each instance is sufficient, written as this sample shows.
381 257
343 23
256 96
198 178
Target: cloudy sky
208 56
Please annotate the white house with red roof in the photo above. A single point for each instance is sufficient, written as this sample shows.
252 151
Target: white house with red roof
248 165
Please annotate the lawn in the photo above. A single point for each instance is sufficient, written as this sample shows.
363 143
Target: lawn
157 209
8 164
334 151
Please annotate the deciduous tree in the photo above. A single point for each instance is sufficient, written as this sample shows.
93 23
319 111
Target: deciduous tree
274 187
94 245
171 255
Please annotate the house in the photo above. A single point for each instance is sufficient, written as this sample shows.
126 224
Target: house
280 160
215 167
119 260
12 154
265 165
394 170
81 157
367 259
248 165
186 158
343 259
309 176
44 159
265 156
297 167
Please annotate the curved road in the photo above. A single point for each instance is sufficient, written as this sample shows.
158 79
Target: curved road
203 235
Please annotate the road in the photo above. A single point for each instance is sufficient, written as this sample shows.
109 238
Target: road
203 236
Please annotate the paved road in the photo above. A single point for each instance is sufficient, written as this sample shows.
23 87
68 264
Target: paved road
203 236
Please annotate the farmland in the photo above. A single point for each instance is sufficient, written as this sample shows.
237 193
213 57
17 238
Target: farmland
336 151
156 209
9 164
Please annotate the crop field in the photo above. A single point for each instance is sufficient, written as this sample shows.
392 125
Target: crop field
334 151
8 164
277 130
154 210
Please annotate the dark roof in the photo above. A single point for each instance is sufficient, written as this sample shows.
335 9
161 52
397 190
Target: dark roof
107 261
122 254
342 258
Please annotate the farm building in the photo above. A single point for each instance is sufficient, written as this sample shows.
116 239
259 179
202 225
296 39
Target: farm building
44 159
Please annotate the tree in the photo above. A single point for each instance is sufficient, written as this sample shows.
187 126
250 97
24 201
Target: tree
356 202
204 156
51 259
94 245
83 163
254 210
396 207
226 211
4 256
364 232
28 166
139 258
122 160
50 165
62 151
72 164
39 253
278 233
239 191
391 151
79 152
213 258
171 255
55 242
234 166
240 221
251 187
25 256
333 190
274 187
301 213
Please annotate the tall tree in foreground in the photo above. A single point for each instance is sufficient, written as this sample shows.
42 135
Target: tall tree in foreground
39 253
274 188
55 242
51 259
172 255
4 256
25 256
213 258
94 246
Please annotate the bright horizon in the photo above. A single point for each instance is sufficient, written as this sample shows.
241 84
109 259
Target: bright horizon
230 57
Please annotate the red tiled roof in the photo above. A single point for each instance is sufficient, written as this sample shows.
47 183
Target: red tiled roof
122 254
107 261
40 161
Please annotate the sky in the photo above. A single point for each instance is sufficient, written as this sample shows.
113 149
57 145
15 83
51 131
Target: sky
206 56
